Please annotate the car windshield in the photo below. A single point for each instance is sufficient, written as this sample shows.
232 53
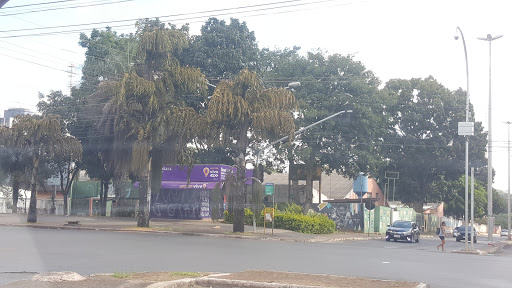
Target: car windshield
402 225
463 229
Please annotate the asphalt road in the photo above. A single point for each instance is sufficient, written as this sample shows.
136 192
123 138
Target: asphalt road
86 252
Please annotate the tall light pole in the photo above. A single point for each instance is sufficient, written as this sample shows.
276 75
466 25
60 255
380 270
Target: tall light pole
458 30
508 204
490 222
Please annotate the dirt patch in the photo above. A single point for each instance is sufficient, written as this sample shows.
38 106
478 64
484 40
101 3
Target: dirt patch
155 276
315 280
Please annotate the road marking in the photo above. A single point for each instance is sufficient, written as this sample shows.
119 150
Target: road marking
385 262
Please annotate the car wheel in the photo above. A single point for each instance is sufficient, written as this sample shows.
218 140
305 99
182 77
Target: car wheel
458 240
387 239
395 240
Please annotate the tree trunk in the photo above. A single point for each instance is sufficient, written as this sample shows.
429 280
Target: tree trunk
105 197
295 184
118 191
102 213
15 193
238 209
144 199
308 190
32 210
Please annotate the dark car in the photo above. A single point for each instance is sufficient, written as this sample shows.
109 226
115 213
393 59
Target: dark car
403 230
462 234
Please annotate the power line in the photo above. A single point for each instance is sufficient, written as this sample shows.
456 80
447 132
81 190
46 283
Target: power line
67 7
38 4
39 64
67 61
167 16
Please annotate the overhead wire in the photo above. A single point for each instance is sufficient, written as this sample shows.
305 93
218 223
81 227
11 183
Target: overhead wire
38 4
168 16
92 4
35 63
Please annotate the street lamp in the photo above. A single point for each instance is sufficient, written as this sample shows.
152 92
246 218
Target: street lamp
508 201
490 222
458 30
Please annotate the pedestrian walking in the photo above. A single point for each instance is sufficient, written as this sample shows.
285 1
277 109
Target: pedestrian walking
442 235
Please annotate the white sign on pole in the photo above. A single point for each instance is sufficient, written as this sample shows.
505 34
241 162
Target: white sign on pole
466 129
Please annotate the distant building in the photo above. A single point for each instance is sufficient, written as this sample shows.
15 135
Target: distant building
9 115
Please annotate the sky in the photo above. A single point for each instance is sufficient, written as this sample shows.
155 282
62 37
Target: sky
393 38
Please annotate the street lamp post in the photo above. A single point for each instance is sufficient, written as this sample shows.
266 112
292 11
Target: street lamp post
490 222
508 201
467 138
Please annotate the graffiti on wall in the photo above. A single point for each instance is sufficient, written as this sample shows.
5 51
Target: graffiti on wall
346 216
181 204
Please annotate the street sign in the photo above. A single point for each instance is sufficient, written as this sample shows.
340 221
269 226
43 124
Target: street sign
269 189
269 214
466 129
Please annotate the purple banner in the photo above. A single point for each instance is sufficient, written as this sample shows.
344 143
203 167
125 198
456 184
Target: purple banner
191 185
200 173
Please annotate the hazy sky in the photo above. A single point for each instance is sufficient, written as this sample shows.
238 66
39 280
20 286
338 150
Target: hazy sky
393 38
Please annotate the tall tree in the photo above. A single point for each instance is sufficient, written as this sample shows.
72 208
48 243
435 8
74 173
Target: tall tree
40 136
329 83
153 115
14 163
108 57
423 145
222 50
241 112
66 163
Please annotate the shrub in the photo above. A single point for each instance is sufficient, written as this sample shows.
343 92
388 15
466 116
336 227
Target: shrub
314 223
293 209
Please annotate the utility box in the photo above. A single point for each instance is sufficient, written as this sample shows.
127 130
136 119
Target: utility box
382 219
369 217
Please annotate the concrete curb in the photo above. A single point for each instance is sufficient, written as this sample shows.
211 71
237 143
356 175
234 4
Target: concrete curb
208 281
499 246
239 283
174 284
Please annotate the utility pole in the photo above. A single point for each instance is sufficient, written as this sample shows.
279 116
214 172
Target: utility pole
490 218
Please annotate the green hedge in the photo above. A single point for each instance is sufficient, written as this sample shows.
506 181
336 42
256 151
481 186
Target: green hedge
310 224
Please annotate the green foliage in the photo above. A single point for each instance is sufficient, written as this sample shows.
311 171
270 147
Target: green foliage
423 144
452 193
293 220
186 274
499 202
119 275
293 209
499 220
318 224
222 50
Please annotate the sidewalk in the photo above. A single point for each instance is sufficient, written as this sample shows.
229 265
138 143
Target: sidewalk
176 226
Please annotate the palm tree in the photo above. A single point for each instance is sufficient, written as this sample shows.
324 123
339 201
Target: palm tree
152 114
42 137
242 111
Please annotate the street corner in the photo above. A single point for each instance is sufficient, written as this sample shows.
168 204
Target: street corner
489 250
